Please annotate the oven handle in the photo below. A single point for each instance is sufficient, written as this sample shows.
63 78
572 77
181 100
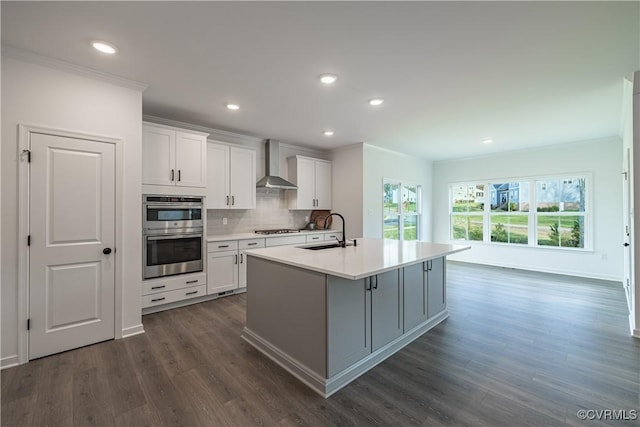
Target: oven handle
177 205
173 236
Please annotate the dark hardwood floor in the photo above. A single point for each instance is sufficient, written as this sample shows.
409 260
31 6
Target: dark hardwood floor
519 349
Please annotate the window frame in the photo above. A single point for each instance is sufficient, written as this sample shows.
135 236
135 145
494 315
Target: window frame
533 214
401 214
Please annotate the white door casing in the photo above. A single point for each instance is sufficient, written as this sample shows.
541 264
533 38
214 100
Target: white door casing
72 220
627 217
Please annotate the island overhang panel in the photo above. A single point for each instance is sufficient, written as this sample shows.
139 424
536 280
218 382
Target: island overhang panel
329 316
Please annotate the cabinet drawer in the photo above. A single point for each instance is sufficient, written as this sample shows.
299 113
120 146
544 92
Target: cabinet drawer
173 296
225 245
318 237
251 244
333 236
285 240
155 286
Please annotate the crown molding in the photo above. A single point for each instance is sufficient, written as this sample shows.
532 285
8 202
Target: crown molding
58 64
215 134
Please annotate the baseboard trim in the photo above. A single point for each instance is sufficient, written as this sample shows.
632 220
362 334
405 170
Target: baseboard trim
636 333
9 362
540 270
133 330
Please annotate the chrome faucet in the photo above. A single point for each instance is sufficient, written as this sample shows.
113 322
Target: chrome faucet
343 242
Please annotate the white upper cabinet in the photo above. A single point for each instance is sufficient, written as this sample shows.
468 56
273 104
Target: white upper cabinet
313 178
231 178
173 157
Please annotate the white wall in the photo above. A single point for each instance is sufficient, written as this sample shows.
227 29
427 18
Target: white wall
601 158
378 164
358 173
348 188
41 96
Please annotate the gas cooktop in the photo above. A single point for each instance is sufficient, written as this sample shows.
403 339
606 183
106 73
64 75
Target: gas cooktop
277 231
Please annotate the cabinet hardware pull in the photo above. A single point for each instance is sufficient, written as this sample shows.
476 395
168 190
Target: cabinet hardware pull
191 293
251 244
241 257
158 287
376 285
227 200
178 175
367 281
233 200
172 174
223 246
236 258
158 299
192 281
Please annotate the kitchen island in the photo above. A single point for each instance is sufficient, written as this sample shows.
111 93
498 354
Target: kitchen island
327 316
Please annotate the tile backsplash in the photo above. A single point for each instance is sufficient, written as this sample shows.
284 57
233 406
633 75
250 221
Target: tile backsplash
271 212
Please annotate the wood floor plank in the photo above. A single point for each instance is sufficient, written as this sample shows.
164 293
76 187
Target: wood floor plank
519 348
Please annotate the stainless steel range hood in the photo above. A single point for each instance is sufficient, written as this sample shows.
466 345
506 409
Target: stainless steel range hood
272 177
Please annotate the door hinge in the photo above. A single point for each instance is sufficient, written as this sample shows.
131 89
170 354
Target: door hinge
28 153
29 240
28 324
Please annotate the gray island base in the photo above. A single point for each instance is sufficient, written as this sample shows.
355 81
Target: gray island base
329 316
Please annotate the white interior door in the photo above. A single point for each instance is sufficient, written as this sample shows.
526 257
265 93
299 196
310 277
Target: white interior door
72 224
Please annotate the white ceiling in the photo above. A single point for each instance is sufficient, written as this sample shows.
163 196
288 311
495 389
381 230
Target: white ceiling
451 73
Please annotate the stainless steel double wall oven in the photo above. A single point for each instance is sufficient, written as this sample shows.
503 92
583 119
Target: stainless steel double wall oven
173 239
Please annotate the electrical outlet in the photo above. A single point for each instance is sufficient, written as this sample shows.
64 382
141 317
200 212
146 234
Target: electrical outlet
224 221
306 218
604 257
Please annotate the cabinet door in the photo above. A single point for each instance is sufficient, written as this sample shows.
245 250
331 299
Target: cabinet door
386 308
323 185
306 184
436 291
349 323
191 160
415 298
217 176
242 187
222 271
158 155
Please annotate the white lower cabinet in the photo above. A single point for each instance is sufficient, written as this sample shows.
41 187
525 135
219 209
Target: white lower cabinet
172 289
227 264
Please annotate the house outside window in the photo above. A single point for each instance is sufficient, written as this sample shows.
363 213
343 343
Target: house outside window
401 210
538 212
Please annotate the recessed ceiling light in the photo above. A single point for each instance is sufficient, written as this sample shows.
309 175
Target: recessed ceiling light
328 133
104 47
376 101
233 106
328 78
487 141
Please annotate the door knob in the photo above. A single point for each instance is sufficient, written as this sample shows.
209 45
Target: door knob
626 244
106 251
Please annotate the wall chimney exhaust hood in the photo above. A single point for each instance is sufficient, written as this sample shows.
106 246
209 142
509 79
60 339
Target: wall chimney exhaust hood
272 177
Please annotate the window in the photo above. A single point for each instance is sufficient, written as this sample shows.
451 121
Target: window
560 216
401 210
509 212
502 214
467 212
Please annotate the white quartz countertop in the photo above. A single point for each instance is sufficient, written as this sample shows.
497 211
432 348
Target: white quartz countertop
370 256
245 236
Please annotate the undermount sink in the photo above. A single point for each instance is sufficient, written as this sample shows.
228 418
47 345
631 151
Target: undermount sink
320 247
